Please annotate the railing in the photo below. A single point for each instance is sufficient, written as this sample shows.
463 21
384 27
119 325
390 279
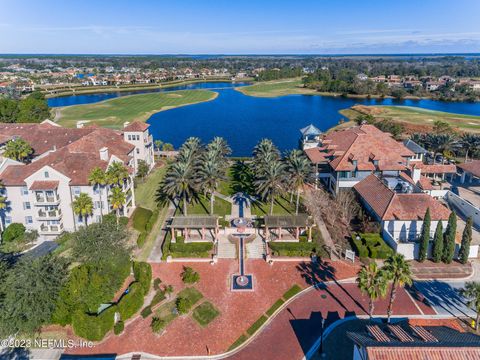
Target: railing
49 214
47 199
51 229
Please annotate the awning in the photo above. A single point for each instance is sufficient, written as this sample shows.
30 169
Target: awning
288 221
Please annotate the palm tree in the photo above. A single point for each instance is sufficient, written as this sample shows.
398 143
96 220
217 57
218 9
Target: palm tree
264 153
373 282
299 170
219 147
190 151
270 182
209 173
179 183
472 293
98 178
117 173
441 143
83 206
117 199
18 149
398 272
469 142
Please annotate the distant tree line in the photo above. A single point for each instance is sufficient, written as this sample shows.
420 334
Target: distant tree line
283 73
31 109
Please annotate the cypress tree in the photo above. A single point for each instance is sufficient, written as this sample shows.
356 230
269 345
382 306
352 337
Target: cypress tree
424 237
466 240
437 251
449 238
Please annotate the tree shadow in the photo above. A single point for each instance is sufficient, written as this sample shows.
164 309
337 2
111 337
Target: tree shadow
15 354
242 178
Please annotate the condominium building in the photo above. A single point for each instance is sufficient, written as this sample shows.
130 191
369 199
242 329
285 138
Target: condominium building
40 193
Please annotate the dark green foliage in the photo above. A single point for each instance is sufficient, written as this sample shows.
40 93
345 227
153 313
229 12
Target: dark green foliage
13 232
205 313
118 327
147 311
293 248
466 240
294 290
437 251
189 276
159 297
112 219
143 169
371 245
141 239
131 302
276 305
29 293
157 324
191 249
140 218
425 236
184 305
143 275
156 283
152 220
33 108
282 73
93 327
449 238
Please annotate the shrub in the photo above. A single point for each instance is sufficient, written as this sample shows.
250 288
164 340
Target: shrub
157 324
93 327
189 276
13 232
302 248
190 249
156 283
256 325
159 297
371 245
147 311
275 306
140 218
183 305
143 275
151 221
141 239
112 219
295 289
131 302
118 328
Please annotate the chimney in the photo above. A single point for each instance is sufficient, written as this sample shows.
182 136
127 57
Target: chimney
416 173
104 153
125 124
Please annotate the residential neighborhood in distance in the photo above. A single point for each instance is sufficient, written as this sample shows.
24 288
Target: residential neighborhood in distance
267 180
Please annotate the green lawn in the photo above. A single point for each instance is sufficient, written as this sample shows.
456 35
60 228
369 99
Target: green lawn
201 206
145 193
281 206
276 88
191 294
205 313
114 112
167 312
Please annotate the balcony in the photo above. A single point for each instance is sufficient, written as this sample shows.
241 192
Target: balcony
51 229
49 215
148 140
47 200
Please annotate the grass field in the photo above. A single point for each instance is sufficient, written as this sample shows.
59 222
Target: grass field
421 117
276 88
114 112
201 206
146 190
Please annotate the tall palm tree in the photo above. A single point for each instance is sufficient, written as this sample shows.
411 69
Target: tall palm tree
373 282
117 173
83 206
469 142
209 174
472 293
271 181
398 272
264 153
117 199
441 143
190 151
219 146
18 149
98 178
299 170
179 183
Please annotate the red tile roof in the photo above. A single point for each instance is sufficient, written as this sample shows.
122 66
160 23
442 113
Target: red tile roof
44 185
435 168
315 155
389 205
472 167
422 353
136 126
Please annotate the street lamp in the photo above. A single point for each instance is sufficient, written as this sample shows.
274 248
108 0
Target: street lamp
322 354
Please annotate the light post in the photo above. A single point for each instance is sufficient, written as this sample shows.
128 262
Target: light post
322 354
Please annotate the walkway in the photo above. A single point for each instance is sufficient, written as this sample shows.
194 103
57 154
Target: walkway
156 253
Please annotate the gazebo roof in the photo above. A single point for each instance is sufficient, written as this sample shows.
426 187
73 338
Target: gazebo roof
194 222
310 130
287 221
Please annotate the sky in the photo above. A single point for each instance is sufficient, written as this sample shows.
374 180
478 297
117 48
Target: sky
239 26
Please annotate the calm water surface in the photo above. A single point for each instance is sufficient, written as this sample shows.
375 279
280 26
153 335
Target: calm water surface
243 120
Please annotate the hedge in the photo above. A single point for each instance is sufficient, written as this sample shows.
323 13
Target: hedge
147 311
371 245
159 297
256 325
13 232
275 306
141 239
131 302
118 328
142 272
140 218
93 327
295 289
293 248
152 220
189 248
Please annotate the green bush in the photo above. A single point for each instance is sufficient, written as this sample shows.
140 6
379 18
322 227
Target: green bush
293 248
147 311
156 283
141 239
256 325
13 232
238 342
195 249
157 324
151 221
112 218
143 275
93 327
131 302
295 289
118 327
371 245
159 297
183 305
189 276
140 218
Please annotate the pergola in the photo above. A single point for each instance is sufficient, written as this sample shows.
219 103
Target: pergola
293 222
200 223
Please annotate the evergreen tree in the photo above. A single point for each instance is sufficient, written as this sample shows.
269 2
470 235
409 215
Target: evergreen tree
437 251
425 236
449 238
466 240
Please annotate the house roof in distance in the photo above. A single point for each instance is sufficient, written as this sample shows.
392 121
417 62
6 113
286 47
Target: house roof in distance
136 126
414 147
310 130
472 167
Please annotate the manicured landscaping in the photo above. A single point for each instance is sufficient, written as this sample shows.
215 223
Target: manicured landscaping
114 112
303 248
167 312
201 206
145 192
257 324
140 218
294 290
276 88
371 245
238 342
281 206
180 249
205 313
276 305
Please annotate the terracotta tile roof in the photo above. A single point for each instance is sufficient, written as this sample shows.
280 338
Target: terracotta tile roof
435 168
364 144
423 353
315 155
425 183
44 185
389 205
472 167
136 126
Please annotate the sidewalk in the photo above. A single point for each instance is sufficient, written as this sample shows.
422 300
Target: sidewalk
429 270
156 253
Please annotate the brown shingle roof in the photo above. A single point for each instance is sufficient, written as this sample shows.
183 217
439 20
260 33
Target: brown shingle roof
472 167
44 185
136 126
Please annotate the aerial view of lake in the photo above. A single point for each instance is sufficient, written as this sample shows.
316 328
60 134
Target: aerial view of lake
243 120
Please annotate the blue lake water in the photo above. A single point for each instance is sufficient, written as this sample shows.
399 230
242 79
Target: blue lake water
243 120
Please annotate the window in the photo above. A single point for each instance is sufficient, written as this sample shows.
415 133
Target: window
28 220
76 190
24 190
49 193
46 174
129 137
344 174
80 219
138 151
96 190
137 137
98 204
26 205
98 218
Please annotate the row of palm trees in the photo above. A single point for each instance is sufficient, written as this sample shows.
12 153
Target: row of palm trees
198 169
275 176
448 143
112 180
